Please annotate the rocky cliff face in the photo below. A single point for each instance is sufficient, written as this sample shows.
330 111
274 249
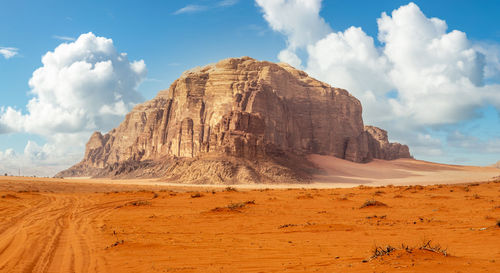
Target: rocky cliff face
237 120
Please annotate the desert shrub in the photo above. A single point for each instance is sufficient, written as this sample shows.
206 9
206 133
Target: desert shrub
139 203
230 189
196 195
426 245
235 206
373 203
387 250
287 225
10 196
382 251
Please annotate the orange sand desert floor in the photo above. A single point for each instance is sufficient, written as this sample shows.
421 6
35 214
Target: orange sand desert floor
47 225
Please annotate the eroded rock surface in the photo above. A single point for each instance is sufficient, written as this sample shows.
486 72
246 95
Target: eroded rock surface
224 123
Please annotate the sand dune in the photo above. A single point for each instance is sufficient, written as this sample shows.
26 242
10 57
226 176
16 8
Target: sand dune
396 172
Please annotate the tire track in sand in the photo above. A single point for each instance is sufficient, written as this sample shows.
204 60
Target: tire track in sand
55 235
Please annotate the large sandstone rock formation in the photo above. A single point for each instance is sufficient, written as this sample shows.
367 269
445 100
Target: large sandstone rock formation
239 120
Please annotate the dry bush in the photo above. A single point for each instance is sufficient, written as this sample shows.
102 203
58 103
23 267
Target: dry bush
387 250
381 251
434 248
117 242
10 196
235 206
137 203
196 195
305 196
372 203
378 193
240 205
229 189
287 225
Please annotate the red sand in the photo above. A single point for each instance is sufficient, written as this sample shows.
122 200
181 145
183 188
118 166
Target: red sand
51 226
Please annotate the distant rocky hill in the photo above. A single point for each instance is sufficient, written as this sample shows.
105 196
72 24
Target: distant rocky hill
496 165
237 121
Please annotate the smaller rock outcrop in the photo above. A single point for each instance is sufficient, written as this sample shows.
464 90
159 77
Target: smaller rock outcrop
496 165
380 147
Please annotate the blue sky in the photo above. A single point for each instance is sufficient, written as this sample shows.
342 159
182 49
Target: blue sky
172 36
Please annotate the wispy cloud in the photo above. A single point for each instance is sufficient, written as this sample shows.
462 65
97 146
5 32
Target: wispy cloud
257 29
227 3
64 38
190 9
200 8
8 52
152 80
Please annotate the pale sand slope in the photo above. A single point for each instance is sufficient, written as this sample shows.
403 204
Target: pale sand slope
339 173
396 172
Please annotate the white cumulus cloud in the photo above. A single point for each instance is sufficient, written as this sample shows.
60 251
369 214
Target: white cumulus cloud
421 76
82 86
298 20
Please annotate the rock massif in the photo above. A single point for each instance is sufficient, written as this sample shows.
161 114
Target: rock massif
239 120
